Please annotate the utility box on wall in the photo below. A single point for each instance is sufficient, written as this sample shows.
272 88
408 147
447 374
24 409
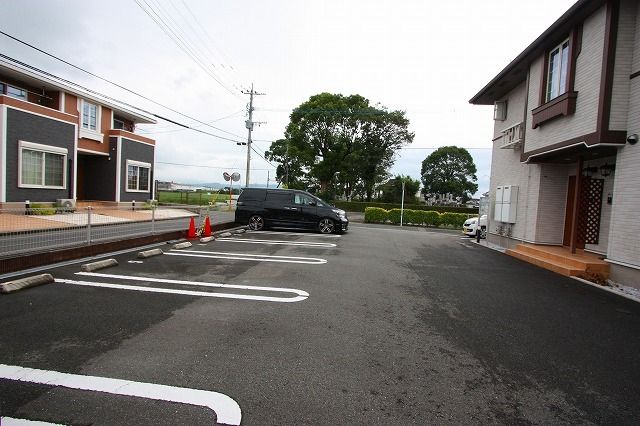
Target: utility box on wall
506 204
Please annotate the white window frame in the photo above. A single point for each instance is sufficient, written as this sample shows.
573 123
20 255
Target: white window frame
138 164
86 132
45 149
23 91
561 90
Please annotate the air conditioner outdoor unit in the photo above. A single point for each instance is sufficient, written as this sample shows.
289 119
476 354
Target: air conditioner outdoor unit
67 203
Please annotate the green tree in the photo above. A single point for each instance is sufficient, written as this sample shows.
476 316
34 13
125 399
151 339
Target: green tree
449 170
339 143
290 171
392 190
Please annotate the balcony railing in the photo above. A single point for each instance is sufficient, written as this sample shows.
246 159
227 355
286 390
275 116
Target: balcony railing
512 137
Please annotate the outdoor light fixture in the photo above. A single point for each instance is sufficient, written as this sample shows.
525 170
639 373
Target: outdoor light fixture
606 169
589 171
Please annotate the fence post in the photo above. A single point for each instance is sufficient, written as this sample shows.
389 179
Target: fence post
153 219
88 225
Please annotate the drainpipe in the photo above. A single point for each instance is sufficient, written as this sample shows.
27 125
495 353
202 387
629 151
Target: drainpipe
576 202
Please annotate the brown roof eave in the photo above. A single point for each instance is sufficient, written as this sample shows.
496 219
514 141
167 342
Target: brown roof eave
516 71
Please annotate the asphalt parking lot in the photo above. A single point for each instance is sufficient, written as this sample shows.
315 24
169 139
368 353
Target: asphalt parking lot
377 326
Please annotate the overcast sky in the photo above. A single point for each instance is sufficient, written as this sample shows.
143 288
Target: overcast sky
427 58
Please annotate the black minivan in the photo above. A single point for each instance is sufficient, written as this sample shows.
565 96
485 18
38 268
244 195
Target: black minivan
288 208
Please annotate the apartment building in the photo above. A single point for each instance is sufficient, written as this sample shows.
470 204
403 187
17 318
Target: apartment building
566 163
61 142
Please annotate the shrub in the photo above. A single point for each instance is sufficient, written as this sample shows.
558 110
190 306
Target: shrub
394 216
430 218
41 210
375 215
455 220
414 217
358 206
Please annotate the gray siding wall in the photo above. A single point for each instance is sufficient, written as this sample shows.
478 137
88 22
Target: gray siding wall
623 243
622 68
37 129
135 151
587 84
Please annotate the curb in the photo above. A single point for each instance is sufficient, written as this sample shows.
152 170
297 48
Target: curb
184 245
607 289
207 239
149 253
19 284
101 264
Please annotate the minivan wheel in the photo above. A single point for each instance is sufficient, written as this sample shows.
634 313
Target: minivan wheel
326 226
256 222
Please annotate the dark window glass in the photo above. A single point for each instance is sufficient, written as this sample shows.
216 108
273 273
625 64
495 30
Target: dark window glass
252 195
279 197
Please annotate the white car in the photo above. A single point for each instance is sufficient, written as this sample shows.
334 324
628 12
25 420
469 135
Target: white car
469 226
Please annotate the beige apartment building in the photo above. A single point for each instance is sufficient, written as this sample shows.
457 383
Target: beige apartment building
565 174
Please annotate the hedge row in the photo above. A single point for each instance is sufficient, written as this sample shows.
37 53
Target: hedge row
414 217
357 206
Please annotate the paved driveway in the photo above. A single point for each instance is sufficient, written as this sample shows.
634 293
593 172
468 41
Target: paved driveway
383 326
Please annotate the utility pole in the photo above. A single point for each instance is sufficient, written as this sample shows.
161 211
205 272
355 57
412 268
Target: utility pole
249 125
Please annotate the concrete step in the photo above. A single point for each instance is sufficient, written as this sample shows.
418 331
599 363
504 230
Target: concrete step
556 266
580 260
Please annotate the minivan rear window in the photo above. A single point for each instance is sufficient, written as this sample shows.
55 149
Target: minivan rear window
279 197
252 194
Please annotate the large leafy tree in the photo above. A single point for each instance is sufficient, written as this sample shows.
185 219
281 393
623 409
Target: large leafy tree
449 170
290 171
392 190
340 143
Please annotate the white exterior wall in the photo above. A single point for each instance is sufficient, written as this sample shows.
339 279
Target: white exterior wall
623 243
506 169
515 109
623 65
587 84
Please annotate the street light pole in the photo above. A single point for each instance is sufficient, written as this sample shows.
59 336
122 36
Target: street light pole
402 203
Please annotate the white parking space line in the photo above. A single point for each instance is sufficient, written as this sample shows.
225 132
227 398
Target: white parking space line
298 298
246 256
276 242
10 421
226 409
195 283
295 234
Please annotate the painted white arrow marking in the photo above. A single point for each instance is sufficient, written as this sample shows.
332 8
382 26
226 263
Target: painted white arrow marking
226 409
275 242
244 256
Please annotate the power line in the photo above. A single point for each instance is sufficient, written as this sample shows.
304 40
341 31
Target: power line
438 147
117 101
180 43
205 167
260 155
100 78
106 97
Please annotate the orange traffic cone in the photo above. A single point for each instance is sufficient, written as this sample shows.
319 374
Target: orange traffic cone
191 233
207 228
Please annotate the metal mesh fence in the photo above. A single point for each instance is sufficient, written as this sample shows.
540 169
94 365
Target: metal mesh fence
24 231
